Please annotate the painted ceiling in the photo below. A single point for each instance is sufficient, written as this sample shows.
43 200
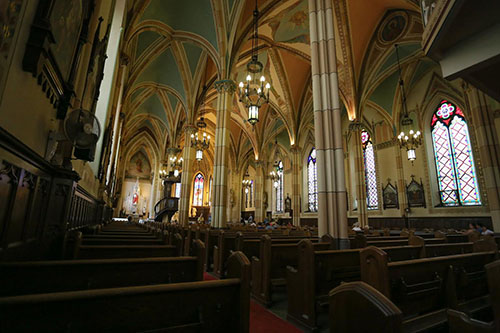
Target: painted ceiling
178 49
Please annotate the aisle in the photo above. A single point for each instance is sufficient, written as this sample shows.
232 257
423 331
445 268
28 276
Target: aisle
264 321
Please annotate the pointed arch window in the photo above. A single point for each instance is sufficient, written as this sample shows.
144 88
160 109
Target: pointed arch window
457 178
278 185
251 194
370 171
198 190
312 181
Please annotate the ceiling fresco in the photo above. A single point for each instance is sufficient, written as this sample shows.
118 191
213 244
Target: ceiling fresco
178 49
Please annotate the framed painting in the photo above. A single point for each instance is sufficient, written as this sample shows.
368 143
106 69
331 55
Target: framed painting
390 195
415 193
52 54
11 16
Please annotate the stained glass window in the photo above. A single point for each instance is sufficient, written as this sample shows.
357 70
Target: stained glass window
198 190
312 181
370 172
456 173
278 185
251 194
177 190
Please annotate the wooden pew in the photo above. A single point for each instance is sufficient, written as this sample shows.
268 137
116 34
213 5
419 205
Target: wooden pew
204 306
20 278
269 269
421 288
318 272
226 243
123 241
128 251
357 307
493 276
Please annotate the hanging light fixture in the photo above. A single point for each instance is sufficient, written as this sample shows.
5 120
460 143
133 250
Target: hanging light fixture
409 138
255 92
204 143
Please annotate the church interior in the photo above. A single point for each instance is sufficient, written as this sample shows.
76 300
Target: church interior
249 166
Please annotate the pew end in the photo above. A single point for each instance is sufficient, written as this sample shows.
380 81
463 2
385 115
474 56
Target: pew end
374 269
460 322
357 307
238 266
493 276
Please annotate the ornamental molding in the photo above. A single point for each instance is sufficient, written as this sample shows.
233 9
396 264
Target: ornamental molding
223 86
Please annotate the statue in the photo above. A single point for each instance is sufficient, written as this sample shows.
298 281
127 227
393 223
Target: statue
288 204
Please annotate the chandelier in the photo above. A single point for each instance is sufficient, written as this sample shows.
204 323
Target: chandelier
200 144
176 164
409 138
247 183
255 92
163 174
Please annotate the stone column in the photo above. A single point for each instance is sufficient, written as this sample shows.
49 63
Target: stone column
226 89
332 210
187 175
296 189
488 147
400 182
359 170
259 191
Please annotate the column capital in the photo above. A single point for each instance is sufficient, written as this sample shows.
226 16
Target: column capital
355 126
190 129
124 59
225 86
173 150
259 164
295 149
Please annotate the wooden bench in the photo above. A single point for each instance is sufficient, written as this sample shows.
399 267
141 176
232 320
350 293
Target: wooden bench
269 269
226 243
204 306
19 278
318 272
357 307
421 288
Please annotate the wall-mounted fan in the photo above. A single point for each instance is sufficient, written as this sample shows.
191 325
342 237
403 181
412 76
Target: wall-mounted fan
83 130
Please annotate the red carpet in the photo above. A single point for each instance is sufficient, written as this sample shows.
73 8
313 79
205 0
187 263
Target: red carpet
262 320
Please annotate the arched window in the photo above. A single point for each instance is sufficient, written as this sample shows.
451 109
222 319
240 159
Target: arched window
312 181
456 173
251 194
198 190
278 185
370 172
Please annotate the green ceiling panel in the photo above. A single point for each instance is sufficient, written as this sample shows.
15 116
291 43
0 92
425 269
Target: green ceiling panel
144 40
404 52
384 93
153 107
423 67
193 55
173 101
164 70
195 16
230 4
136 93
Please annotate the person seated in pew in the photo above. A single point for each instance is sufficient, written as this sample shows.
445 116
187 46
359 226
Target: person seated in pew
472 228
485 230
356 227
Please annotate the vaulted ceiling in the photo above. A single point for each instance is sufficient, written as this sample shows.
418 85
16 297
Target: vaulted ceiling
178 49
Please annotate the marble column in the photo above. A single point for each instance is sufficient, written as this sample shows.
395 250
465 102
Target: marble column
225 89
488 147
296 189
259 191
187 175
332 208
359 170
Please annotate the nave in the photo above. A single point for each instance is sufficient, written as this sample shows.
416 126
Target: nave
152 277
